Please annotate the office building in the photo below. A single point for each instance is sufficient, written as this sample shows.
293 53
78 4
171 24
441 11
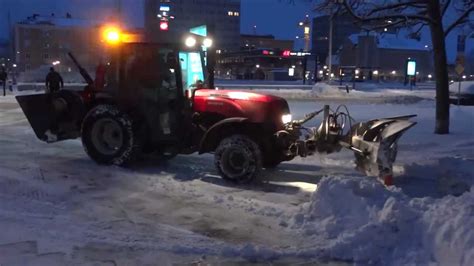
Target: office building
45 41
384 56
223 15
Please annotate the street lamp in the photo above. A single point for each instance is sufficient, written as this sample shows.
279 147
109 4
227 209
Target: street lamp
306 25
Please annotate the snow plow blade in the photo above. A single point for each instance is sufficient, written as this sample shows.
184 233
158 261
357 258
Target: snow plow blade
53 117
375 144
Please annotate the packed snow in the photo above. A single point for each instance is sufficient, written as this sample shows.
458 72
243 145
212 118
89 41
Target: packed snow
60 208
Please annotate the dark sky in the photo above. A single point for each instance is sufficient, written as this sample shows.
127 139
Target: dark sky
266 14
271 16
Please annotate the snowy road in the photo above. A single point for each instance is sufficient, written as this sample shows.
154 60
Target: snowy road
60 207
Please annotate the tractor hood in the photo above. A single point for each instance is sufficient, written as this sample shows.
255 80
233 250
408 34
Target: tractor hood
258 108
237 95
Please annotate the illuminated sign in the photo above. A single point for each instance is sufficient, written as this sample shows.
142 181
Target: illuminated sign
411 68
165 8
286 53
191 67
200 30
300 53
291 72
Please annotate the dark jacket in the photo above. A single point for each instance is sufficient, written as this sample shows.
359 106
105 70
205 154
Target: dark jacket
54 81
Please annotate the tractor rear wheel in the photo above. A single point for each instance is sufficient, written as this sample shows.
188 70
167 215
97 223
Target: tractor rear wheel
238 159
109 136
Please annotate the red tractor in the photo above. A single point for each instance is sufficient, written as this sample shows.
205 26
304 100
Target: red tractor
154 101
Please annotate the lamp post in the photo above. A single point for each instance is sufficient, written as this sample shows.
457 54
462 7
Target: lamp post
306 25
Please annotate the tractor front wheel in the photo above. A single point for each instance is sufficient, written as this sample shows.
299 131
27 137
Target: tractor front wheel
238 159
109 136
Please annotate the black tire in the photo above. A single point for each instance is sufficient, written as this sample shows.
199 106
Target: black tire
109 136
238 159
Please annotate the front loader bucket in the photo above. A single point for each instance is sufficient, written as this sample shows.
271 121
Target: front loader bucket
375 143
53 117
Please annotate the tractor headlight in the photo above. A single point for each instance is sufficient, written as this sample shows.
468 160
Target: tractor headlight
190 41
286 118
207 43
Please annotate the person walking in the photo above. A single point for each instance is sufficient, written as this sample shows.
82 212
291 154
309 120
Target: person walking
3 79
54 81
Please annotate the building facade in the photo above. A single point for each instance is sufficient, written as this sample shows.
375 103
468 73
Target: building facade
223 15
262 57
45 41
249 42
384 56
343 26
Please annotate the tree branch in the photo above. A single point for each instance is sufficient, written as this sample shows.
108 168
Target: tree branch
445 7
395 6
388 25
385 17
459 21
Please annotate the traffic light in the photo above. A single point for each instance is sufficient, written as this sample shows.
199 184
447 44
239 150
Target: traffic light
164 26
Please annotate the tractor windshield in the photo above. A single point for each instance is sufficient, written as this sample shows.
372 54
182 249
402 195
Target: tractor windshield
192 68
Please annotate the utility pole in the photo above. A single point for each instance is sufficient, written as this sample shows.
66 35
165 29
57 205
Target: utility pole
331 17
307 31
306 25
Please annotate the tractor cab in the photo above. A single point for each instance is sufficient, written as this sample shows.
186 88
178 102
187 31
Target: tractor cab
153 79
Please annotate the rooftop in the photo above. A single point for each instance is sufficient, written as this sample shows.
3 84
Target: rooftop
67 21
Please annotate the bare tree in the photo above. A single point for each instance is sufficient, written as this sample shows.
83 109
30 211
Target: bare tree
413 13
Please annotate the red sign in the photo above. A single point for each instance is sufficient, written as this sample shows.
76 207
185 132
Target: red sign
286 53
265 52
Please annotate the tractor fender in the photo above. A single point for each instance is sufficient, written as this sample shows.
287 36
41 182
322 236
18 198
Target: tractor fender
218 131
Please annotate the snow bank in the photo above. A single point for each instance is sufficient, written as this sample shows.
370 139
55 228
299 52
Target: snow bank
467 87
358 219
324 89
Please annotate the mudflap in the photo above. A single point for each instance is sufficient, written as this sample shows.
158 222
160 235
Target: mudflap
375 145
54 117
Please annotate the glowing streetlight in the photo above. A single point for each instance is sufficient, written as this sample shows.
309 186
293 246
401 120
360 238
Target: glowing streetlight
190 41
207 42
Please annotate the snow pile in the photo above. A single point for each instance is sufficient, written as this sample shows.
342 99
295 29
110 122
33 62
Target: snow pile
467 87
324 89
358 219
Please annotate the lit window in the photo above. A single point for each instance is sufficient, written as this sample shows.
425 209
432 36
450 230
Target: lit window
230 13
236 14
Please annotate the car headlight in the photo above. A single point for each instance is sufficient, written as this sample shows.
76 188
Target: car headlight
286 118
